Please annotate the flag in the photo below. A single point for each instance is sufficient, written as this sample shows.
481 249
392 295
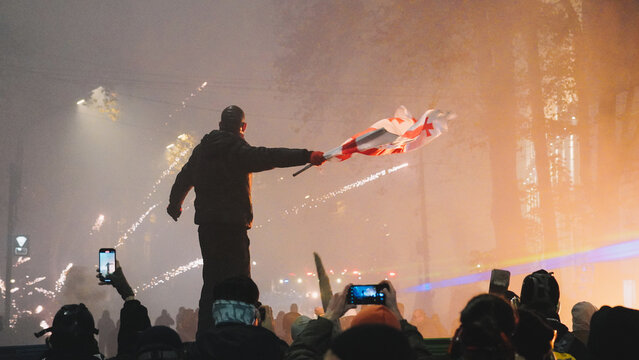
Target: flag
398 134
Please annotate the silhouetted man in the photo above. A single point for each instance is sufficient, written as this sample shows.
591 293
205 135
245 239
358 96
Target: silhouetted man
220 169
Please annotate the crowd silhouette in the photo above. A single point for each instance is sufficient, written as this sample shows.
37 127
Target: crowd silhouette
504 326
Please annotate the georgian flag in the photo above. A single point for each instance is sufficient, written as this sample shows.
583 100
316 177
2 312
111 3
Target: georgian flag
398 134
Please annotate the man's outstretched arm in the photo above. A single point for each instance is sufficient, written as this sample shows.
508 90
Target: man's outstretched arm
255 159
181 187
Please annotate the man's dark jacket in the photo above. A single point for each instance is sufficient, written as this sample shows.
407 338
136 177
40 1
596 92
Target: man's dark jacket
232 341
220 169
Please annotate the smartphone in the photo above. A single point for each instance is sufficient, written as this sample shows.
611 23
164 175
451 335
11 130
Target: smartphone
366 295
106 262
499 281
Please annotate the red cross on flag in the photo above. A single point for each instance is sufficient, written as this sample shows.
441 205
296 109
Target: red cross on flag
398 134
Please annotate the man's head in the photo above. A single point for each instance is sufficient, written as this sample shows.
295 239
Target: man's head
376 314
232 120
73 330
540 292
236 301
370 342
487 324
159 342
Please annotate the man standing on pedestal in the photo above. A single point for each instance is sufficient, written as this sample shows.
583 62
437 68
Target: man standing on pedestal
220 169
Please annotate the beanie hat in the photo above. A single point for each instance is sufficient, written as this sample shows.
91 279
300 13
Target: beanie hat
299 325
376 314
159 342
581 315
372 342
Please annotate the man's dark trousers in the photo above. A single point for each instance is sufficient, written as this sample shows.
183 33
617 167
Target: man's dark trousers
225 251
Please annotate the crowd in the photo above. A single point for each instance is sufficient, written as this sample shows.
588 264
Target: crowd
492 326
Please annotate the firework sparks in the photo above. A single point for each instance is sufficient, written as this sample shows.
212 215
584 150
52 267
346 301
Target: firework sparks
133 227
48 293
175 153
316 201
36 280
98 223
21 260
185 101
156 280
63 277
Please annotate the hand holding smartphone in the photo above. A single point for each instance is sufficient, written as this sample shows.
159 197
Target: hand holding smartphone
366 294
106 263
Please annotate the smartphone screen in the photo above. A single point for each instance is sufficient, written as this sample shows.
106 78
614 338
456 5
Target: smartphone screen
365 294
106 262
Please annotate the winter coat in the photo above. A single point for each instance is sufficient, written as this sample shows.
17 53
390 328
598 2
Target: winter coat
220 169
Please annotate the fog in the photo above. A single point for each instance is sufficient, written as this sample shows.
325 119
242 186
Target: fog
540 168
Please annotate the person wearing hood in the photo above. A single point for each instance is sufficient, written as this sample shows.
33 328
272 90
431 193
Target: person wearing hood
540 294
239 332
581 315
220 169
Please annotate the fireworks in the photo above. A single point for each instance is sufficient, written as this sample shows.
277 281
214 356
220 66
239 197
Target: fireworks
48 293
315 202
170 275
98 223
175 152
133 227
36 280
185 101
63 277
21 260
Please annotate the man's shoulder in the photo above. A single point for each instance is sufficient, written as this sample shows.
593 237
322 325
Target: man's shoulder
218 140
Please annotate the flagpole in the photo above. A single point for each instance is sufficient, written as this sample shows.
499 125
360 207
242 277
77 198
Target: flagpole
302 169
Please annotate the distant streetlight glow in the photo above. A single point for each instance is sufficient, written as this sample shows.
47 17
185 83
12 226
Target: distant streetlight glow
81 102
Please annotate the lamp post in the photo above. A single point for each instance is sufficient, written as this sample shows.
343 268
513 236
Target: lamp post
15 177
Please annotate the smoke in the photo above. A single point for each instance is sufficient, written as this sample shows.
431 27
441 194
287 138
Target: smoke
81 286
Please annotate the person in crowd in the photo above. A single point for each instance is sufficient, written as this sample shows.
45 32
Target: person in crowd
299 325
429 327
377 332
107 335
614 333
540 293
581 314
287 322
370 342
487 324
533 339
238 332
420 320
187 326
160 342
164 319
72 335
279 325
220 169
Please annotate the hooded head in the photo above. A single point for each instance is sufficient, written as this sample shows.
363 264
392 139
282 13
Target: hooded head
72 331
540 293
